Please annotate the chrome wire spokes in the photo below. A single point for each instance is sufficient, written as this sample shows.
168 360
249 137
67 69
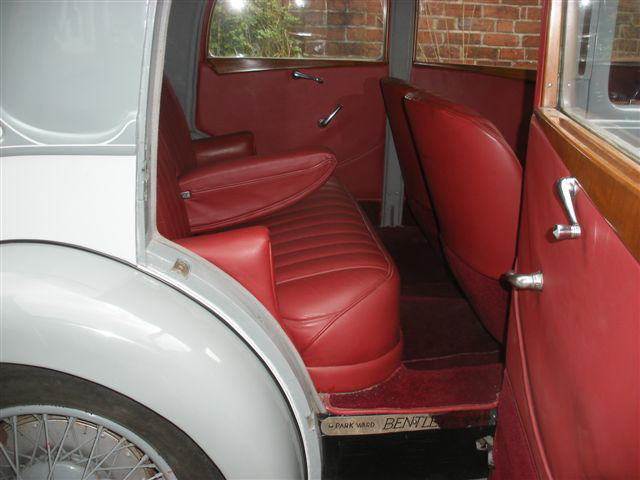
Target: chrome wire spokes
63 447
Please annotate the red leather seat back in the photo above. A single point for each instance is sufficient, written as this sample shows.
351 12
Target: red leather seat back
176 130
415 187
475 182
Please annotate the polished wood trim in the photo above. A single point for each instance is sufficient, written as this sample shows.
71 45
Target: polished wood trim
237 65
606 174
553 43
526 74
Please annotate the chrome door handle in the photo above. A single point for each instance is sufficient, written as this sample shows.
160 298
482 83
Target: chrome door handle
531 281
297 75
323 122
567 189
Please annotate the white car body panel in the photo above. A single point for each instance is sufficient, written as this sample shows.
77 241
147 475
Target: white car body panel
80 170
75 199
83 314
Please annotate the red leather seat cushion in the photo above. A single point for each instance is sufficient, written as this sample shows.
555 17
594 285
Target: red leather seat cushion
338 290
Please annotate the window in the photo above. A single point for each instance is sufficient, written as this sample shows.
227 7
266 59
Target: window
298 29
498 33
601 70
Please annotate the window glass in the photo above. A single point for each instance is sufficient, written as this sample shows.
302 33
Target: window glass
601 69
320 29
500 33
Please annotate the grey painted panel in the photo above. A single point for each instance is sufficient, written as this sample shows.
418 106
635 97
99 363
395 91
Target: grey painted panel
181 57
400 59
70 74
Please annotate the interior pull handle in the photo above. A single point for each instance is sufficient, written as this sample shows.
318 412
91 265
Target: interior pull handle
297 75
567 189
526 281
323 122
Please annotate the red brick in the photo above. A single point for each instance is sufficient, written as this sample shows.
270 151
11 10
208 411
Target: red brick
500 40
356 34
336 33
336 5
374 20
449 52
478 25
431 9
511 54
534 13
531 54
505 26
501 11
531 41
521 2
462 9
481 52
527 27
338 18
425 36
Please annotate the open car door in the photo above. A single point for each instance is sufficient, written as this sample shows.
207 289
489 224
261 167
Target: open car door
573 353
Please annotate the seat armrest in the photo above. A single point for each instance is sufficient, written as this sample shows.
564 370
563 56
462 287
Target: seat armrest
245 254
234 191
221 147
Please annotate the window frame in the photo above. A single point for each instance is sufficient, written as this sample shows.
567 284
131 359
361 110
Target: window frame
607 174
227 65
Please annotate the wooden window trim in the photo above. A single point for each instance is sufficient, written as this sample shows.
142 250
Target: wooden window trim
225 65
526 74
609 176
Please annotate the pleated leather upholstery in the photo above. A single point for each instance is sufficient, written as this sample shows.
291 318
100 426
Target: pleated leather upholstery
337 288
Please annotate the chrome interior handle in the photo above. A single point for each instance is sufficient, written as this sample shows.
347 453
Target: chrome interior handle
323 122
523 281
568 188
297 75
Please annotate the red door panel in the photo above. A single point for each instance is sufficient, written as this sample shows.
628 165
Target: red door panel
283 113
507 102
573 354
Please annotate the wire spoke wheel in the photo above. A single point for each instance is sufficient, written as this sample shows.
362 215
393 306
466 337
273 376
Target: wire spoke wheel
55 443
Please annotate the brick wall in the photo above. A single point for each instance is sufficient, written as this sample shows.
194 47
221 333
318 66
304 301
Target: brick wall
503 33
626 44
340 28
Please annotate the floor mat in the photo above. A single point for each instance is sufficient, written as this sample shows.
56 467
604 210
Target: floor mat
443 390
440 328
422 271
444 327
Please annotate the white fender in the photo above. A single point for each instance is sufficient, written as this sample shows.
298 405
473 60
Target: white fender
87 315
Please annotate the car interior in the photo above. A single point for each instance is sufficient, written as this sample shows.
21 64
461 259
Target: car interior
410 317
386 319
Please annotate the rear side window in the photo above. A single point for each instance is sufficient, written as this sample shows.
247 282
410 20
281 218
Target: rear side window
298 29
601 70
498 33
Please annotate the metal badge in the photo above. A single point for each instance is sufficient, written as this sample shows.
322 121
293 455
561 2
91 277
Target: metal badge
377 424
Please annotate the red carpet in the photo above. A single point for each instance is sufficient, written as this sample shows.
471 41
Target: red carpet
451 389
450 363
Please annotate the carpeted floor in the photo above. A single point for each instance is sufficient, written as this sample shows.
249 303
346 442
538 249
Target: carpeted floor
449 358
440 328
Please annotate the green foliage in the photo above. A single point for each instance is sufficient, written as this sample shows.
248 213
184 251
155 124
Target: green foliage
260 29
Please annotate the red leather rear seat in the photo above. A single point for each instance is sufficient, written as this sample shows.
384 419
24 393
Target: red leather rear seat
336 288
